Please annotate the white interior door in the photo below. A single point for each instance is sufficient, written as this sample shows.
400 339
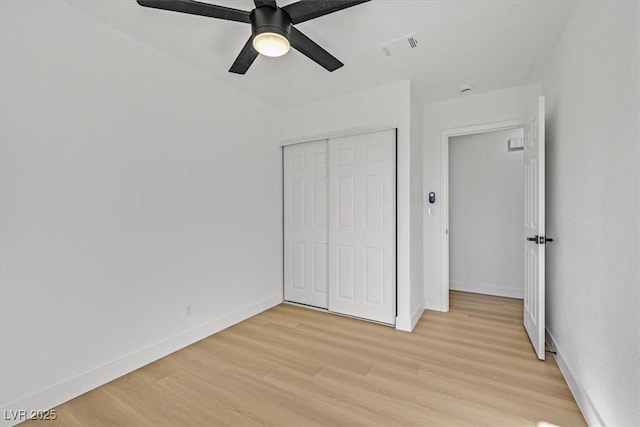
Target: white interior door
305 223
534 231
362 248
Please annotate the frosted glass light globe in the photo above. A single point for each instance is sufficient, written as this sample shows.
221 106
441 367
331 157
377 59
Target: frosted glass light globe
271 44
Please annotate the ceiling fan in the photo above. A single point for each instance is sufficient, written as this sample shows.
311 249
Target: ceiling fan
272 30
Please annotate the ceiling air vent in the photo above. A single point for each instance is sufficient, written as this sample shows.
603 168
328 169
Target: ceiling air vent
400 45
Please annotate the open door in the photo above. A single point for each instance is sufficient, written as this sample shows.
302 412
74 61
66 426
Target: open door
534 230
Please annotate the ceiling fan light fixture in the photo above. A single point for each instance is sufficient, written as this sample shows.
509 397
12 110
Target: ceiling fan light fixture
272 30
271 44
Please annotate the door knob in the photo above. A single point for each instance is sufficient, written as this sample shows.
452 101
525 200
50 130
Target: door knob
540 239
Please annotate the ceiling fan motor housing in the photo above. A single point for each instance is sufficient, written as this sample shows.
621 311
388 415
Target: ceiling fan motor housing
267 19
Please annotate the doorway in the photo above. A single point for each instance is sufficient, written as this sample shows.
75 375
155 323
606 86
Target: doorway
445 137
534 237
486 211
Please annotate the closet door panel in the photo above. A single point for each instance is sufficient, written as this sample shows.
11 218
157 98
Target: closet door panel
362 241
305 223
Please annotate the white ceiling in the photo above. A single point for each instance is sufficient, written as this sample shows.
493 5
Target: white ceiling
490 44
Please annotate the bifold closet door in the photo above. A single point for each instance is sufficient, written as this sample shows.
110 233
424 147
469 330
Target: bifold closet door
305 223
362 226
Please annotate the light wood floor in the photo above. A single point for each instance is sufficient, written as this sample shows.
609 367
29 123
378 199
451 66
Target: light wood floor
292 366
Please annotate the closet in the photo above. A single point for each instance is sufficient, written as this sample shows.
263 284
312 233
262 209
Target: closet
340 225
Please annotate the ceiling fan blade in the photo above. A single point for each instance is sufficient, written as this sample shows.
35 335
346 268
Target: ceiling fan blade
271 3
246 57
198 8
311 49
305 10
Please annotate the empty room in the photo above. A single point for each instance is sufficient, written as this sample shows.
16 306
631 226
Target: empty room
319 213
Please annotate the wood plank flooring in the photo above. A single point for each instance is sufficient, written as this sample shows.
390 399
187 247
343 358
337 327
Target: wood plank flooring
291 366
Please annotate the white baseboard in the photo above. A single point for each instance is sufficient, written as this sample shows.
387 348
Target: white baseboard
73 387
589 411
481 288
415 317
435 306
407 324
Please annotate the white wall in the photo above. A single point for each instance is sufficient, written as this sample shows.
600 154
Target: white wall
486 210
132 186
593 143
491 107
382 107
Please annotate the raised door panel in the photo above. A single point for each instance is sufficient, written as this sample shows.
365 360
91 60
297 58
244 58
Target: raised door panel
345 273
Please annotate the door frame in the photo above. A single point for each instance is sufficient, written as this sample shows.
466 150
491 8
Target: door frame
445 135
337 134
